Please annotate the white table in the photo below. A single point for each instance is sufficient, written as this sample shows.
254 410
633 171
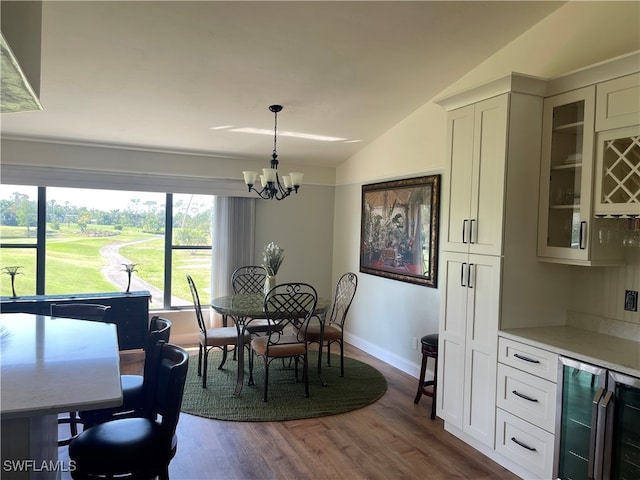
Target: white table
47 366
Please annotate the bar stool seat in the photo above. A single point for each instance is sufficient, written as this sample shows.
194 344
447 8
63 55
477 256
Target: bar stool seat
429 350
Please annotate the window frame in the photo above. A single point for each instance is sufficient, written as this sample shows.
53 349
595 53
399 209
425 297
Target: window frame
40 246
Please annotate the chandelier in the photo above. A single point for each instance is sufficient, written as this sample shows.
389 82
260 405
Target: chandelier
272 187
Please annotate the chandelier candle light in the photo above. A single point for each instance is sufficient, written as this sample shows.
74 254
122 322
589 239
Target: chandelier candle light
271 185
272 256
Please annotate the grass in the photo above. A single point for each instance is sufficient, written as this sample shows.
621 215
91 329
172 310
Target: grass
74 263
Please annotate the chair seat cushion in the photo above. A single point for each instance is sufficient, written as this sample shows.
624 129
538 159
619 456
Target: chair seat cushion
331 332
219 337
282 349
121 446
430 340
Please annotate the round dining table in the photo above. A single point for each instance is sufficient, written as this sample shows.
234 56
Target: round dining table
244 307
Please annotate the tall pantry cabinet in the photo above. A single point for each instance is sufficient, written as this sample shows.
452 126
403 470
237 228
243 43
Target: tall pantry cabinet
488 232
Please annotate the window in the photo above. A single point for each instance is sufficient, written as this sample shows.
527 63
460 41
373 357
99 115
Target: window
69 240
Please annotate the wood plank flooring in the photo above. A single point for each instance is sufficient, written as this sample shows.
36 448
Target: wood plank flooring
390 439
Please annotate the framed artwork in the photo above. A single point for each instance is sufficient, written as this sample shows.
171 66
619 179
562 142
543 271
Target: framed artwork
399 232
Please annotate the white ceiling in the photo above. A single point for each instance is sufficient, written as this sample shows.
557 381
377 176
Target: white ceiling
160 74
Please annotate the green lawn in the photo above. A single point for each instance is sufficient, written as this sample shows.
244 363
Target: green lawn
74 263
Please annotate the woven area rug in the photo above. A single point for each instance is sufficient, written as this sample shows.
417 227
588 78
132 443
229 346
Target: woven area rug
361 385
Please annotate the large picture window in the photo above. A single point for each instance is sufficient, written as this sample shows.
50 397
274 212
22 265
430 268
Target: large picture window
69 240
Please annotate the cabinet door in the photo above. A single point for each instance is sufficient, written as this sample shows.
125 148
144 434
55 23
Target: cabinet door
468 343
481 347
457 190
452 332
487 183
566 176
618 103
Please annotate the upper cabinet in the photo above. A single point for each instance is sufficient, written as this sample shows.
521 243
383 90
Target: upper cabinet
590 171
477 141
617 174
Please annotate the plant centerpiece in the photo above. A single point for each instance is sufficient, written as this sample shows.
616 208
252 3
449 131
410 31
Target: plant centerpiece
272 256
129 268
12 272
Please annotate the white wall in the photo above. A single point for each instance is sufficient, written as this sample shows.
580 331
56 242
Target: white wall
387 314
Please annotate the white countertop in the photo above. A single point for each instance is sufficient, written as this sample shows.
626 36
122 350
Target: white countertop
611 352
51 365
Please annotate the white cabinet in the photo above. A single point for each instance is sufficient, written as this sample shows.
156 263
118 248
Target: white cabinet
477 142
493 146
618 103
568 232
470 309
526 400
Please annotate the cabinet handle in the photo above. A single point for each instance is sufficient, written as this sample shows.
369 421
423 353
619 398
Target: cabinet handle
469 275
526 397
462 284
471 230
464 231
526 359
583 235
523 445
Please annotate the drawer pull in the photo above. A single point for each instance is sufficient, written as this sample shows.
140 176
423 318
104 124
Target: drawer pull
531 449
526 359
522 395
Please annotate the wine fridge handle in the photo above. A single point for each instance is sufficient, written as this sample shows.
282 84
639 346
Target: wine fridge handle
593 444
608 439
603 407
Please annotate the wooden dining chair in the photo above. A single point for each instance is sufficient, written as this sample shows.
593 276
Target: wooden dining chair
132 385
139 447
210 338
287 304
333 331
77 311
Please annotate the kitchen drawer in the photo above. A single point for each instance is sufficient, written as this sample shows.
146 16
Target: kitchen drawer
525 444
529 397
529 359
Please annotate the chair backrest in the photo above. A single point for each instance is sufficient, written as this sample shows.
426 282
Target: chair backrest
196 304
81 311
289 303
345 291
164 393
248 279
159 331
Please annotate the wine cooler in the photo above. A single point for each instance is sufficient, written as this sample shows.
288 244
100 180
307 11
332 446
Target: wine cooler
598 428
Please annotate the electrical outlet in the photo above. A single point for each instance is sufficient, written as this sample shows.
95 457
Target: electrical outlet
414 342
631 300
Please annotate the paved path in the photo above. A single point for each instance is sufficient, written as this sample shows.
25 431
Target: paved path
114 272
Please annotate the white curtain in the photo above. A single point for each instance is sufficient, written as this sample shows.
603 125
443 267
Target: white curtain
234 222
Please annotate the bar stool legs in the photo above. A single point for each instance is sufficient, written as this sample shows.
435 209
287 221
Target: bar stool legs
429 350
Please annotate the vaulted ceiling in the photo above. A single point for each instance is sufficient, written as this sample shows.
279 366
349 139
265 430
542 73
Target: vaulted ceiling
182 76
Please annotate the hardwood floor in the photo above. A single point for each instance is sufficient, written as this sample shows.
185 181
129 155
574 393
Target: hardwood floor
392 438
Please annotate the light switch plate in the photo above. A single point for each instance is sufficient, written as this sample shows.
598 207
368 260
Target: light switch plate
631 300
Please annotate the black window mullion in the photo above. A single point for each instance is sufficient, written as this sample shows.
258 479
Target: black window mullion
168 252
41 249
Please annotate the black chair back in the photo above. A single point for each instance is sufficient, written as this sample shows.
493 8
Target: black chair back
345 291
248 279
81 311
165 396
159 331
289 303
196 304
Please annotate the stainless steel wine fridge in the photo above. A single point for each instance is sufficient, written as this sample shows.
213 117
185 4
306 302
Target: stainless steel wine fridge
598 428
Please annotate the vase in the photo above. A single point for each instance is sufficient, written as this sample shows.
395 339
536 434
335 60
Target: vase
269 283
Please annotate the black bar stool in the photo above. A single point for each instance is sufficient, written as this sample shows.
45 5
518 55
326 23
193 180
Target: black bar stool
429 350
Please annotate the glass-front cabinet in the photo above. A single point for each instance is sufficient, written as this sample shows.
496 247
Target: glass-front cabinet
567 165
568 230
